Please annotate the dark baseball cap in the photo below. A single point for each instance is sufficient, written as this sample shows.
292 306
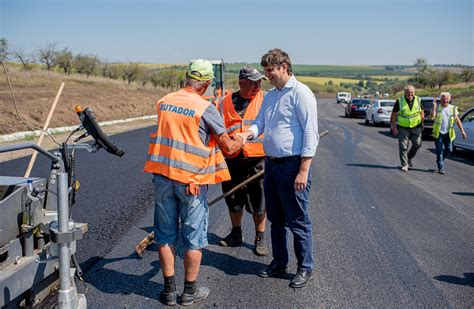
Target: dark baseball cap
251 73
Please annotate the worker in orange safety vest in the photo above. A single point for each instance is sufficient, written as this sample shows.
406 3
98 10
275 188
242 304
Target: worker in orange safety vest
185 156
239 110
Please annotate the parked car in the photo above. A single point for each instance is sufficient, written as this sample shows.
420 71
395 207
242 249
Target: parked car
379 112
427 104
343 97
357 107
467 120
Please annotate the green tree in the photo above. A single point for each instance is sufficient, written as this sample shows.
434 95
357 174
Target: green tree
64 60
467 74
47 56
131 72
86 64
424 72
26 59
3 49
155 79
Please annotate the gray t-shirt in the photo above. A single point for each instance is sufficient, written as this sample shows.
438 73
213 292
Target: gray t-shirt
211 123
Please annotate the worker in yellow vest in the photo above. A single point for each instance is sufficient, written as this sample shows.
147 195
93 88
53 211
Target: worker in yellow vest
185 156
407 121
444 117
239 110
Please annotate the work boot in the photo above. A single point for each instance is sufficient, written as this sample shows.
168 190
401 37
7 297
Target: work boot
260 249
200 293
234 239
168 299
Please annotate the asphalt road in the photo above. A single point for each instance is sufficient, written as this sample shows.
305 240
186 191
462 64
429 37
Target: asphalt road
382 238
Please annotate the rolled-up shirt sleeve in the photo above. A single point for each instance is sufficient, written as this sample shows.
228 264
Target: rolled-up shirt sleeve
307 113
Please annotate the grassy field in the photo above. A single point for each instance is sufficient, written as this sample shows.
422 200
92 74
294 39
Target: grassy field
324 80
390 77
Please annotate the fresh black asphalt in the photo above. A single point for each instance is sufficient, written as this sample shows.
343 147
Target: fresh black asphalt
382 238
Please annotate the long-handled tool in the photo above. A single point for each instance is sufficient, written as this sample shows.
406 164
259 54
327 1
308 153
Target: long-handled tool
148 240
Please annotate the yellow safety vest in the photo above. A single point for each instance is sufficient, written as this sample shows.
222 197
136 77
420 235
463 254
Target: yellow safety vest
438 120
409 118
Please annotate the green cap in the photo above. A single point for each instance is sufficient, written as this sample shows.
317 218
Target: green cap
201 70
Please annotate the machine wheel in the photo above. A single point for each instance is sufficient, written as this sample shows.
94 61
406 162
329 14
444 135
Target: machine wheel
366 122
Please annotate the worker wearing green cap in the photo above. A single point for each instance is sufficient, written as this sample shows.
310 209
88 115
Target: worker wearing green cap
185 156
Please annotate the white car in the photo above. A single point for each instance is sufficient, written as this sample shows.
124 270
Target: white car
379 112
343 97
467 120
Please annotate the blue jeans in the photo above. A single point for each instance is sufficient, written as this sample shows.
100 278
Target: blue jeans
444 147
172 203
287 208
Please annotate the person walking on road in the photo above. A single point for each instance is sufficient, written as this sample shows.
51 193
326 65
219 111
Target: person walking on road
444 117
407 121
239 110
288 119
184 157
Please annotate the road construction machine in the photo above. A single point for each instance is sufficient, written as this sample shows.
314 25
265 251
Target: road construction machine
37 235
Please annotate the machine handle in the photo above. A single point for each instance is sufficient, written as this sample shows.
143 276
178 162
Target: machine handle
89 122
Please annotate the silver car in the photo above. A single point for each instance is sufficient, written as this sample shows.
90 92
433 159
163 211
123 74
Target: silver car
467 120
379 112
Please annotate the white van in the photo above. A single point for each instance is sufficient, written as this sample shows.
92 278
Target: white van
343 97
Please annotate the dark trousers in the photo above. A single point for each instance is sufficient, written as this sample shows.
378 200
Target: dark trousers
288 209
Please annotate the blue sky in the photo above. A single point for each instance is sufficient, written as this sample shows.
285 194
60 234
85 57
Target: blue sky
312 32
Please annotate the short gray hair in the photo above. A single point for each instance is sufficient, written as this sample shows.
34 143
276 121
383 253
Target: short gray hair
409 87
445 94
196 84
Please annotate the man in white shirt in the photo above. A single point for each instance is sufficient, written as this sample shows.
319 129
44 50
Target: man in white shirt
443 128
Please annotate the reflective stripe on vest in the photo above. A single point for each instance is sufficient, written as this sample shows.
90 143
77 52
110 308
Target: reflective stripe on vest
176 149
234 123
439 119
409 118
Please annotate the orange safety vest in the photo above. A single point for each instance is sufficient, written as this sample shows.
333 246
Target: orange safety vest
234 123
176 149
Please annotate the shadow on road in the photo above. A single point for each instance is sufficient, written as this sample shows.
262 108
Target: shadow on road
108 280
389 167
466 157
464 193
467 280
387 133
230 264
373 166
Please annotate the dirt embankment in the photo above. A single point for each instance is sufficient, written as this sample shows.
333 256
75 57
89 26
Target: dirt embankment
35 92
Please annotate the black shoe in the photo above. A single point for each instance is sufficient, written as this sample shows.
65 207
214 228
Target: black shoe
301 279
260 249
168 299
272 270
232 240
200 294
